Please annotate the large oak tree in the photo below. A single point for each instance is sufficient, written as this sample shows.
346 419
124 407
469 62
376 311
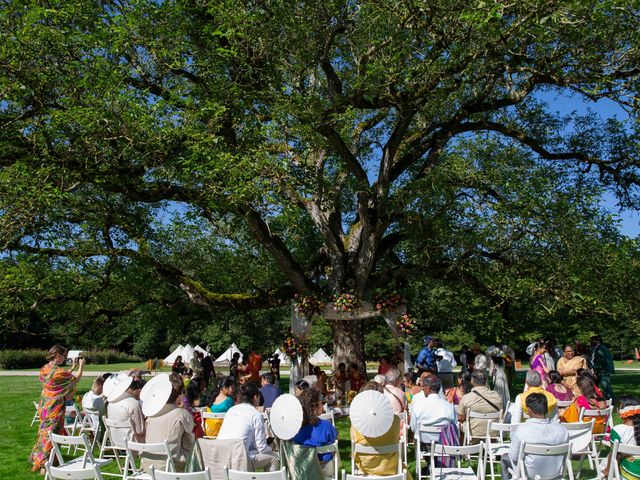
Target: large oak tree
315 133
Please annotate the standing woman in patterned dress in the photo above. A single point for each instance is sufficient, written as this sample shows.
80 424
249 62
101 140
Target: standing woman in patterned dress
58 386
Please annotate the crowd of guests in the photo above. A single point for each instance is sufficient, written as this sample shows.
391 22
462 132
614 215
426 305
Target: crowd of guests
558 384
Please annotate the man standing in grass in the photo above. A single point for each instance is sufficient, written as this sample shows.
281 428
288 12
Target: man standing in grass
602 364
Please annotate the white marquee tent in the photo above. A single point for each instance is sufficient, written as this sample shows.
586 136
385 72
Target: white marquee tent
172 356
320 358
187 353
226 356
198 348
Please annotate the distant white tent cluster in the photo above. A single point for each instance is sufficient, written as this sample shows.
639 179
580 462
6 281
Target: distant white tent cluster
320 358
187 352
225 358
284 360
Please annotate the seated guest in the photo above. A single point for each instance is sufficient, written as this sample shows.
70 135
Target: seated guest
533 382
428 407
173 425
557 388
321 384
384 365
316 432
410 387
268 389
126 407
480 399
301 386
93 403
243 421
591 398
455 394
190 402
356 377
379 464
380 379
393 392
627 433
538 429
223 395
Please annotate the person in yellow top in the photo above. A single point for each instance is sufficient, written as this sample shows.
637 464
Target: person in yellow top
223 401
379 464
519 411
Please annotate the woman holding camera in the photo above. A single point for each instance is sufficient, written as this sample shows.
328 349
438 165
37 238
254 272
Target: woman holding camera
58 386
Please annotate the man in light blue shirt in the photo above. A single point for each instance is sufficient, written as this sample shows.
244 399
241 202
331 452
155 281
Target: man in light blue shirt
428 407
537 430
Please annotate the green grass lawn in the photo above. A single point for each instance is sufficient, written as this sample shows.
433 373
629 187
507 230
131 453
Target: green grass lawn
17 394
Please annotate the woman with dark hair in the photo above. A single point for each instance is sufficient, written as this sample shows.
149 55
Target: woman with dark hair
178 365
243 421
539 363
315 432
190 402
557 388
410 387
223 400
301 386
58 386
627 433
464 386
590 398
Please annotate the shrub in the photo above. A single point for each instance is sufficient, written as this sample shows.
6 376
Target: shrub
17 359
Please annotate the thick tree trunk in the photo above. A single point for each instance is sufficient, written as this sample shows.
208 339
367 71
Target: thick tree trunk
348 342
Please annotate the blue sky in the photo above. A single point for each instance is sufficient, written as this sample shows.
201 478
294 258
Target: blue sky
565 104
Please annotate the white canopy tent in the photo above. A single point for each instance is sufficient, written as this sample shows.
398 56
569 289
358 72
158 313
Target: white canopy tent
284 360
172 356
187 353
225 358
198 348
320 358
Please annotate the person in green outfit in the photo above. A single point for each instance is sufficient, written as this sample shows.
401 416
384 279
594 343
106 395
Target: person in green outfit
602 365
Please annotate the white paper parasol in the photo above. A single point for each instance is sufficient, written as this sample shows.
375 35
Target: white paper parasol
119 388
108 385
286 416
155 393
371 413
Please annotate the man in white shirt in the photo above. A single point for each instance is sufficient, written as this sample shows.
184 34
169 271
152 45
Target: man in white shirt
244 422
537 430
428 407
445 361
93 403
127 408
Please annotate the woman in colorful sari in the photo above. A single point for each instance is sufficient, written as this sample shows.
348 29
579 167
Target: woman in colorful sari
58 386
539 364
590 398
568 367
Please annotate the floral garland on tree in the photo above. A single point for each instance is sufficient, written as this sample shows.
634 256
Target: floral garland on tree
346 302
308 306
406 326
385 301
295 346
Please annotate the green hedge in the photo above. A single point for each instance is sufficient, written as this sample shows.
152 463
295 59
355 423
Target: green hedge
16 359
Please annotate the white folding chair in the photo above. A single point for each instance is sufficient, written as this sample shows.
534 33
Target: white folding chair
161 475
404 434
620 449
374 450
420 452
134 449
485 417
606 413
458 472
56 473
115 434
210 416
237 475
398 476
72 419
332 448
89 426
582 444
496 444
75 441
328 416
564 450
36 415
564 403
